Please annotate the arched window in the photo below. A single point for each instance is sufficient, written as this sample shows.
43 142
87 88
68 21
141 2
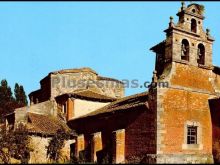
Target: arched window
201 54
193 26
185 50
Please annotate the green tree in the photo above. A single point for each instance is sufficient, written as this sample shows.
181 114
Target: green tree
17 92
20 96
6 99
56 144
5 93
7 102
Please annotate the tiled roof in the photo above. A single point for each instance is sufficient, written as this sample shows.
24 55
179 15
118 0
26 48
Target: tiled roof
42 124
91 94
88 95
159 47
123 104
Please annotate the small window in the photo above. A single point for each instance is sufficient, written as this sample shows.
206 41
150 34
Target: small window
185 50
193 26
192 135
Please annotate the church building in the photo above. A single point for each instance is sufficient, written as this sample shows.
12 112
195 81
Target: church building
178 123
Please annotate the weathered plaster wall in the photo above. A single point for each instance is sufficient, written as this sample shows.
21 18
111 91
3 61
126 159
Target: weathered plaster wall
83 107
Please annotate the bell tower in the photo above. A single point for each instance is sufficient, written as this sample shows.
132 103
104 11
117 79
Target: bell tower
184 62
186 42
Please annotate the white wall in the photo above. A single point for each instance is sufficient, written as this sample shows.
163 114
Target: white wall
83 107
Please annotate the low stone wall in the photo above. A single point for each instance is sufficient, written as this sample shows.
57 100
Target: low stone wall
39 155
178 159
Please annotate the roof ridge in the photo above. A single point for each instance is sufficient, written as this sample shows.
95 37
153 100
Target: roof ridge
88 90
130 96
75 69
89 94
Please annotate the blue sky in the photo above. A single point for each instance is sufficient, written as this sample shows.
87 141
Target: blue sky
112 38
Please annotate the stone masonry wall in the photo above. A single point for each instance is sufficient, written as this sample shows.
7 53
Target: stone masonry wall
46 108
45 89
69 82
39 155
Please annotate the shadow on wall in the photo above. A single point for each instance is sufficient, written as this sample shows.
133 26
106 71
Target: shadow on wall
215 115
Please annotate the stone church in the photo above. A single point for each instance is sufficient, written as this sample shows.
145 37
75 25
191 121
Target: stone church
174 124
178 124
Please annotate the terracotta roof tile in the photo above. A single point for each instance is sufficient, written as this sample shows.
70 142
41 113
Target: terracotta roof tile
88 95
48 125
92 94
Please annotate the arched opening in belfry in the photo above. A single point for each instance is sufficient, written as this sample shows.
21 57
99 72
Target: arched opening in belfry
185 50
201 54
193 25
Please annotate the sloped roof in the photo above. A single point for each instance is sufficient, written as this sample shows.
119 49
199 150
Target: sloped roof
159 47
216 70
123 104
75 70
46 125
88 95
